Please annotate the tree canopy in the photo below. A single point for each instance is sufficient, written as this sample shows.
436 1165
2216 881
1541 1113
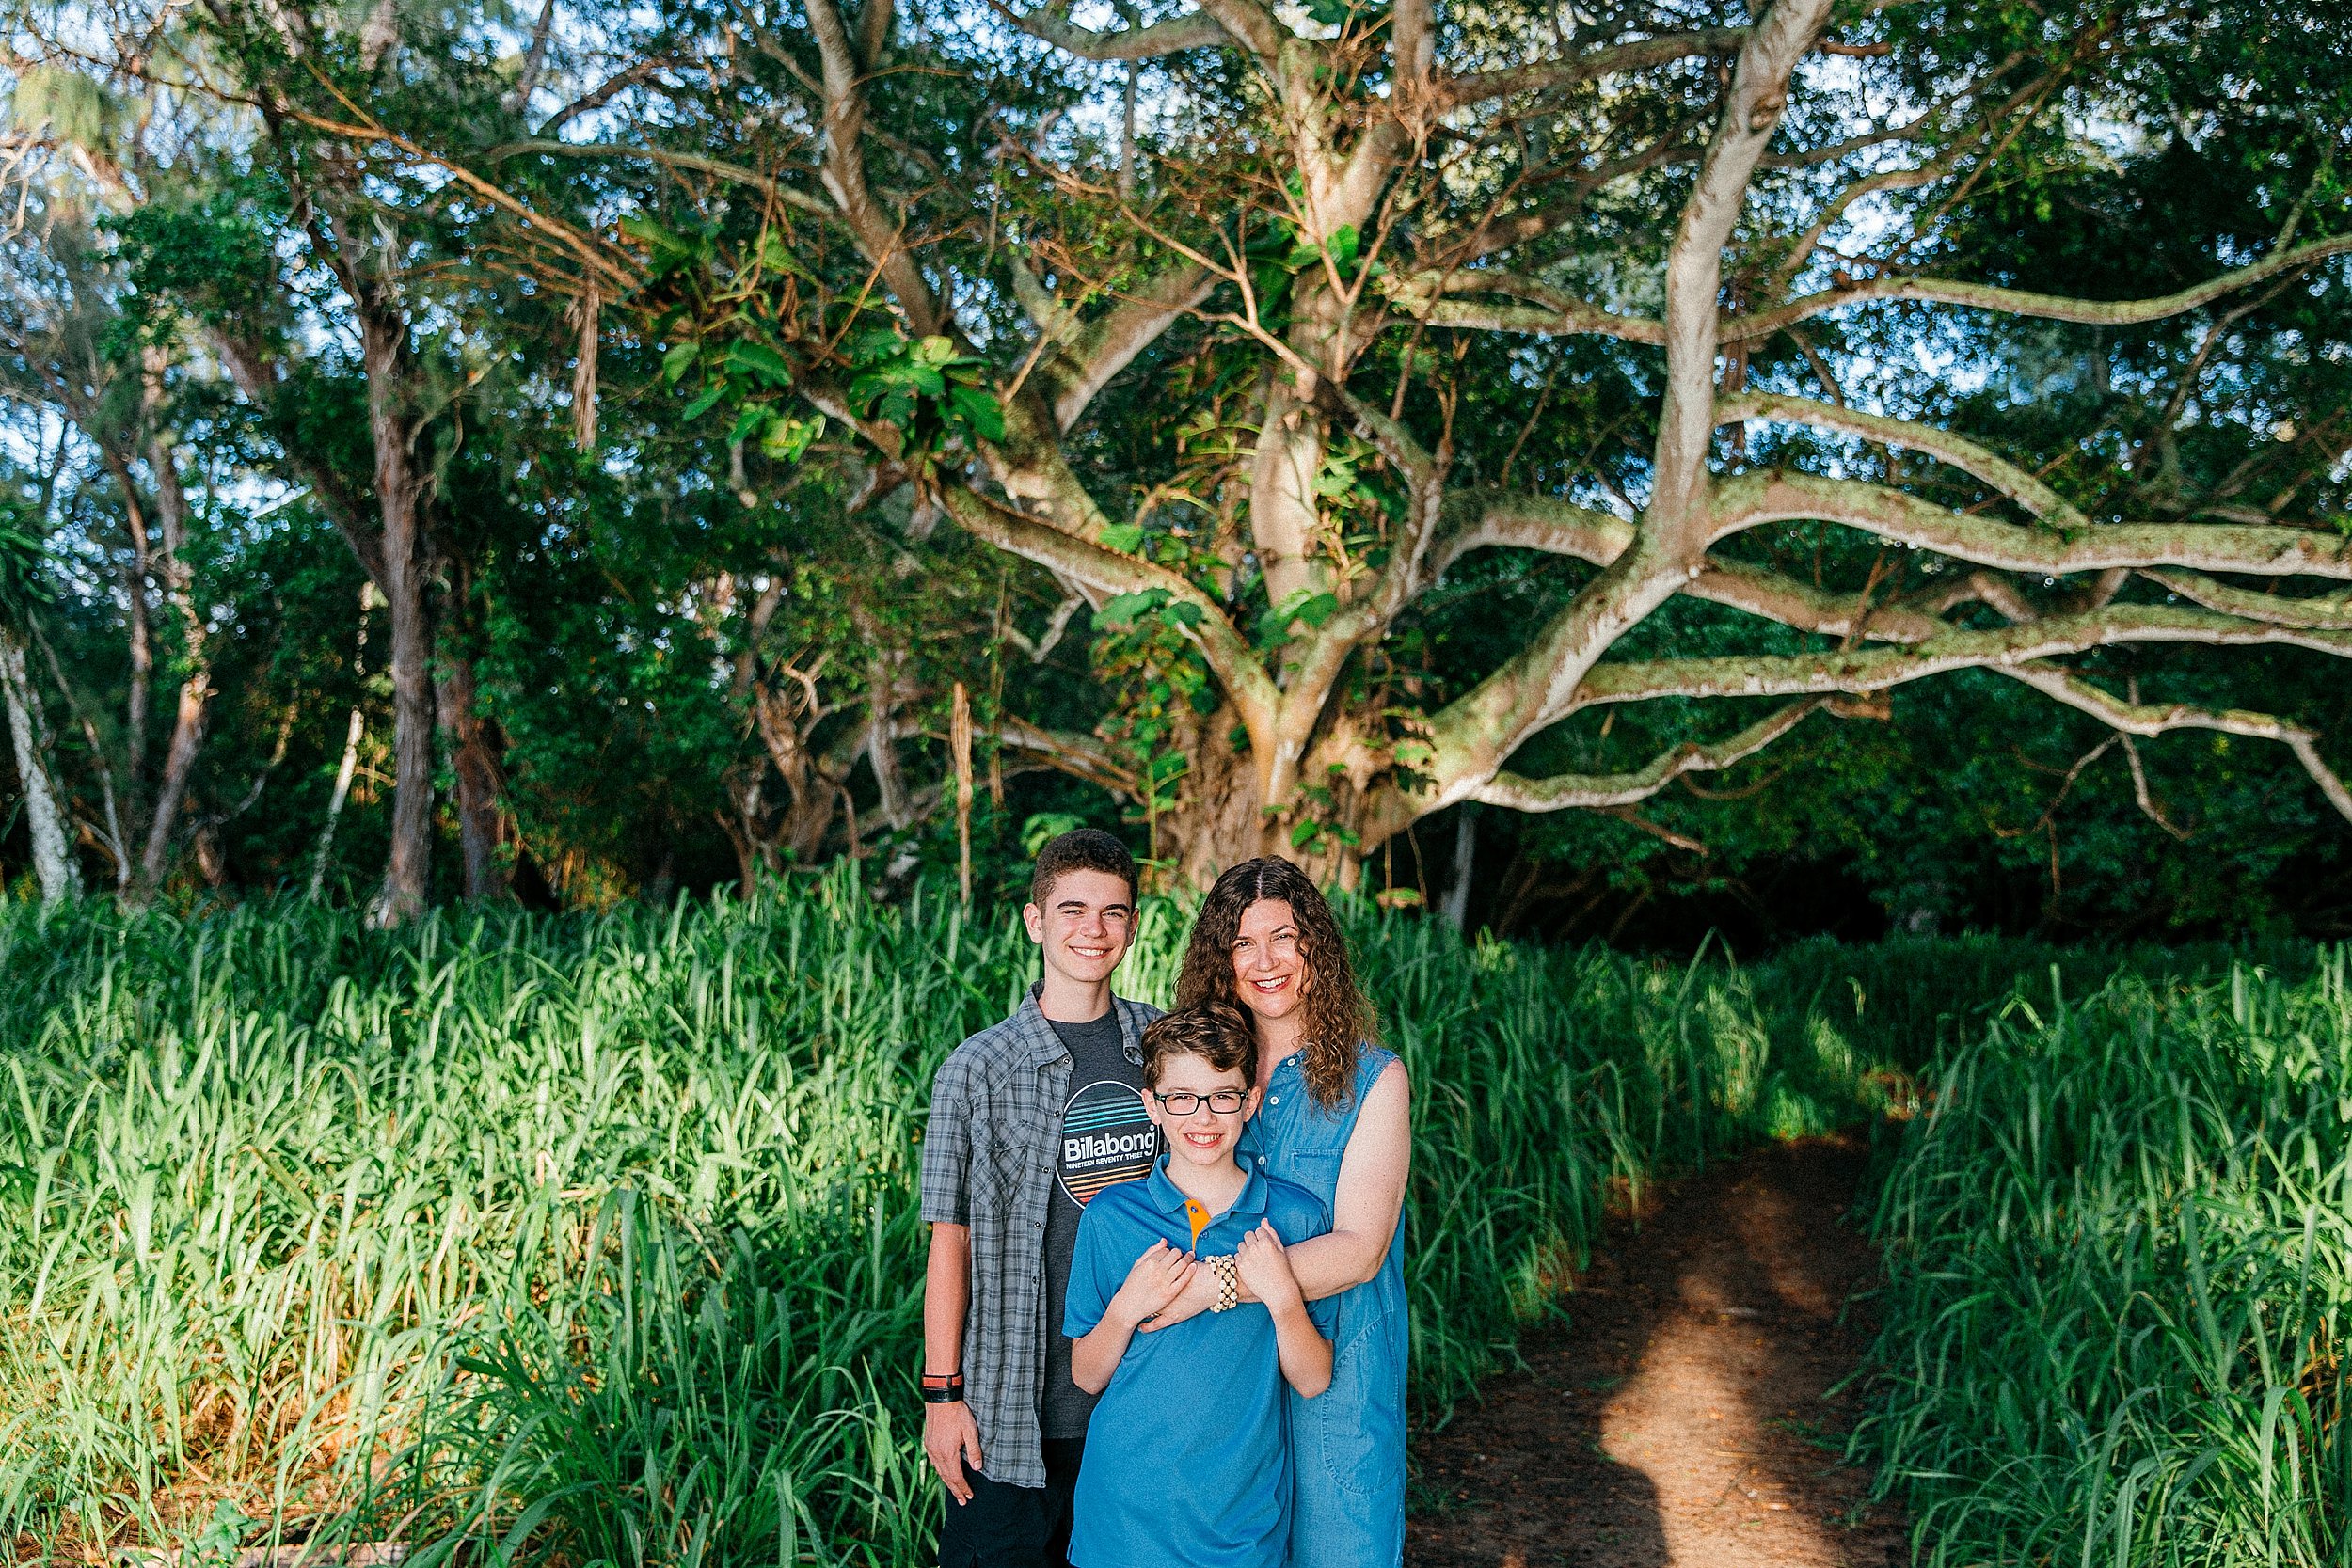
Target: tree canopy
636 446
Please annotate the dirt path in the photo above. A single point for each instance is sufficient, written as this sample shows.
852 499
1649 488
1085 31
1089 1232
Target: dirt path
1682 1416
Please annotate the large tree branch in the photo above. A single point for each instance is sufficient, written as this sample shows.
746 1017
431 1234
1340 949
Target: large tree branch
1173 34
2331 612
1874 669
1092 565
1096 351
1749 500
1599 791
1694 266
1434 296
2153 718
1943 445
1633 54
1081 756
2021 302
880 240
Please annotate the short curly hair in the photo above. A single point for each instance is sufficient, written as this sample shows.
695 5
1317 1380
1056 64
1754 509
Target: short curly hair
1217 1034
1081 849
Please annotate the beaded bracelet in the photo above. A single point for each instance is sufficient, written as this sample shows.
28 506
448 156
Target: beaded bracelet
1228 1282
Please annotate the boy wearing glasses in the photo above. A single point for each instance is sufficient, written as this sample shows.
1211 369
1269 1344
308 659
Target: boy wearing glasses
1029 1120
1186 1460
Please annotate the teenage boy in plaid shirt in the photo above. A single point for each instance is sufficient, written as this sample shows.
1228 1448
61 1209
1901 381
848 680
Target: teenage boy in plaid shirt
1029 1119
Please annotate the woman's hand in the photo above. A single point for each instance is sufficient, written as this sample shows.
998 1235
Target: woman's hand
1158 1278
1265 1268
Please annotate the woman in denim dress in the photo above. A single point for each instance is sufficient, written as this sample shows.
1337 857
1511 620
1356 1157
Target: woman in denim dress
1335 1119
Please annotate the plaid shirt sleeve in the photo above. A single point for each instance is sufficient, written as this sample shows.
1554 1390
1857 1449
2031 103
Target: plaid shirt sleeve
947 1149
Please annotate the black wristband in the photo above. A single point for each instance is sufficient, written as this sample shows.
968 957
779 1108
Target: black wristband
943 1390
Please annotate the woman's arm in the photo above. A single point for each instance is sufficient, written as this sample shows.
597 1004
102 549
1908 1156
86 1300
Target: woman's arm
1264 1264
1372 1173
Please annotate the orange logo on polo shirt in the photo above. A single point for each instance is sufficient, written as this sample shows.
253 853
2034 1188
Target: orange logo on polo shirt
1106 1138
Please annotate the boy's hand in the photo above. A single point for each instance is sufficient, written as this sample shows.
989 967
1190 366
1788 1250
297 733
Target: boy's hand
1197 1297
1265 1268
1158 1277
951 1440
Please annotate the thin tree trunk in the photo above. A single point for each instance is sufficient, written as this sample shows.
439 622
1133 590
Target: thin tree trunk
196 691
480 824
1454 906
350 767
407 874
882 722
52 857
137 631
114 843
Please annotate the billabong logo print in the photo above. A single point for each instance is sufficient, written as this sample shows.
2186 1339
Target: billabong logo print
1106 1138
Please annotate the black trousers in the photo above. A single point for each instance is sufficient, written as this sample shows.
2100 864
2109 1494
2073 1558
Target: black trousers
1015 1526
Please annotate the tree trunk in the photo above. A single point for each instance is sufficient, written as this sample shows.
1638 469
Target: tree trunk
350 765
407 875
1454 906
196 691
481 823
187 738
881 735
52 856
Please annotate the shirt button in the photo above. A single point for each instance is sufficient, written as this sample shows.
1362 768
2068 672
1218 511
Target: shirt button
1262 1159
1275 1100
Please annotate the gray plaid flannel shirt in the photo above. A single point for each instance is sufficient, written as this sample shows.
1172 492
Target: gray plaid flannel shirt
988 1163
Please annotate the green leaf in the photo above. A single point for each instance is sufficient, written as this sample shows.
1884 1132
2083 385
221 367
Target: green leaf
777 257
1127 538
1123 610
979 411
1305 833
1344 241
761 360
788 436
680 359
703 404
747 421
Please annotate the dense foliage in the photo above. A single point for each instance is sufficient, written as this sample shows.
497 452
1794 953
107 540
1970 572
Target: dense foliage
2121 1249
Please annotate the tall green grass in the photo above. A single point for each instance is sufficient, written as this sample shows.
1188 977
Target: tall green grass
2120 1299
593 1240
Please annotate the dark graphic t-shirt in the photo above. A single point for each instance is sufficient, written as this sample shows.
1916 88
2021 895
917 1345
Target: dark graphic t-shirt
1104 1138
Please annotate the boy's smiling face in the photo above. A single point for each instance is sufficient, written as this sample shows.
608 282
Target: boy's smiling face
1207 1137
1085 924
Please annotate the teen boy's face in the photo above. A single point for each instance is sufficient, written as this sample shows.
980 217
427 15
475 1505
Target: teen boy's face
1207 1137
1085 924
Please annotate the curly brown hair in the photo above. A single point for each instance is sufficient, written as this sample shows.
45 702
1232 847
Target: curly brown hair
1339 1020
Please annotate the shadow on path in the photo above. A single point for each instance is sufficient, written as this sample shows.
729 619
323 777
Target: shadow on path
1681 1417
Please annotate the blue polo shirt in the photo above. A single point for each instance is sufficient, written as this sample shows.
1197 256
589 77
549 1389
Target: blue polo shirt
1187 1463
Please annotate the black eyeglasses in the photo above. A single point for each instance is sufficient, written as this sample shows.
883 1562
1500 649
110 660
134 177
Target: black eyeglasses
1223 1101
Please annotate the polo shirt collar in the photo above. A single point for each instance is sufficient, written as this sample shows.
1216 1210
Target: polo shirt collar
1169 1201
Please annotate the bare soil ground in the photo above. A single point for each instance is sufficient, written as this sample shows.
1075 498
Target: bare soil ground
1682 1415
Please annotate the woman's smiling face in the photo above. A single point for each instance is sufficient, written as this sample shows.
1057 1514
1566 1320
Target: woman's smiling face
1269 974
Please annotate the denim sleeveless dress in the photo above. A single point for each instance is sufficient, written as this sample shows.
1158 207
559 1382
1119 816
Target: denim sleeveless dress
1347 1445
